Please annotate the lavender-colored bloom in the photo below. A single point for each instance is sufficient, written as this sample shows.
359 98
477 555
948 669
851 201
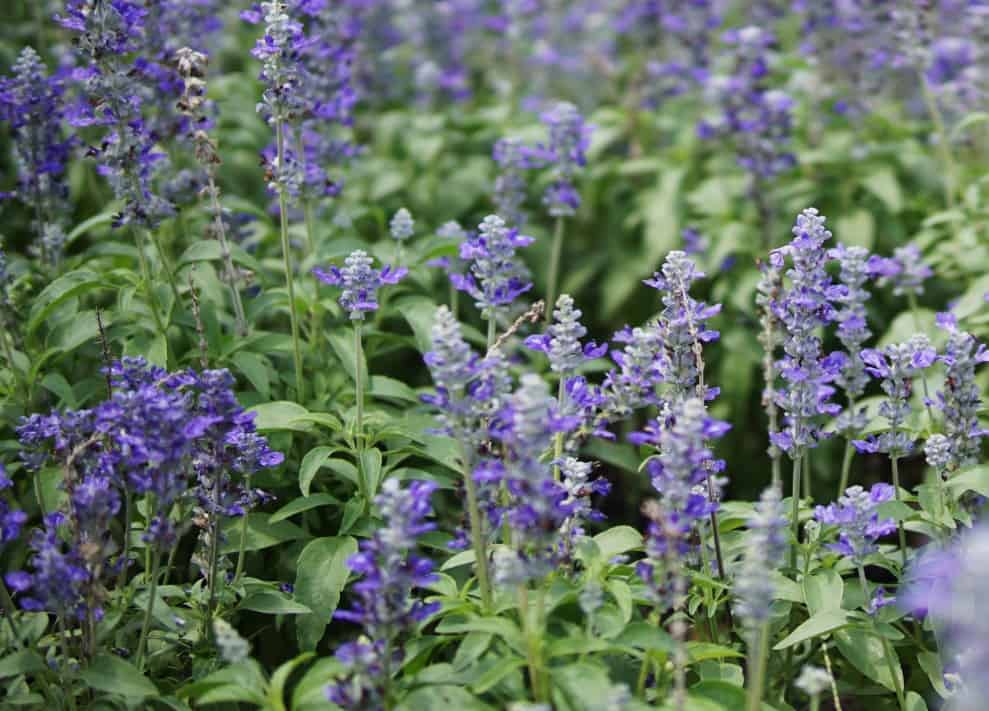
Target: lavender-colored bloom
11 520
359 282
905 270
514 158
540 505
668 550
562 340
950 587
402 226
279 51
766 544
114 91
634 383
32 103
576 478
756 119
857 518
496 276
769 291
569 137
693 241
59 579
960 401
685 460
897 365
802 309
390 570
470 390
681 327
853 330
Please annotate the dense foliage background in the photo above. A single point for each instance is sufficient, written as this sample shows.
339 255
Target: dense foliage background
188 182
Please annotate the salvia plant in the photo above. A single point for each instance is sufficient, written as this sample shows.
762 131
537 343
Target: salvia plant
544 355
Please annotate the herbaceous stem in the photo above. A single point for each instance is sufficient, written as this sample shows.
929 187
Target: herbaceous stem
554 267
287 262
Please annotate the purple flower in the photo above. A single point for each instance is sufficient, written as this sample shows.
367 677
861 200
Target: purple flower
11 520
857 519
853 331
633 384
904 270
32 103
402 226
514 158
960 401
496 276
562 340
359 282
802 309
390 570
569 138
765 546
897 365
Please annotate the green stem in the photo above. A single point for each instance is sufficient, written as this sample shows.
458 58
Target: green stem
8 611
758 654
846 465
125 555
300 386
492 331
795 514
148 288
834 686
39 493
894 667
358 384
146 625
805 469
214 557
815 702
561 397
899 524
166 266
554 268
66 654
243 537
477 532
531 644
306 204
230 271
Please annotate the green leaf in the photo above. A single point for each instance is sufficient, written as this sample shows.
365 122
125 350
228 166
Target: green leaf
420 313
506 629
255 370
243 682
622 593
385 388
866 652
975 479
660 209
432 698
67 286
618 540
114 675
261 533
702 651
823 591
371 470
493 676
857 228
819 624
883 184
915 702
280 415
930 662
210 251
305 503
104 218
270 602
311 464
321 574
26 661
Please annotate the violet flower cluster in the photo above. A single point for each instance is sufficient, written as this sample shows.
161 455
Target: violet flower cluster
359 282
514 159
565 154
11 519
756 119
853 330
857 518
390 570
949 586
634 383
801 309
562 342
897 365
764 551
496 276
905 270
960 401
682 328
156 432
32 103
114 92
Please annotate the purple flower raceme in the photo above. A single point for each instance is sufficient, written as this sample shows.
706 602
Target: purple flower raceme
562 341
802 309
569 138
402 226
359 282
383 606
540 506
853 331
905 270
897 365
755 119
764 551
114 91
514 159
32 103
959 402
11 520
496 276
949 586
634 383
682 329
857 518
579 483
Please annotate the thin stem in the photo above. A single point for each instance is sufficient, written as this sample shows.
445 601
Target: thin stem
899 524
229 271
358 384
125 555
287 261
554 267
243 536
758 654
846 465
477 532
148 288
531 644
39 493
805 492
306 203
64 635
834 686
492 331
165 265
795 513
894 667
561 396
8 611
146 625
214 527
